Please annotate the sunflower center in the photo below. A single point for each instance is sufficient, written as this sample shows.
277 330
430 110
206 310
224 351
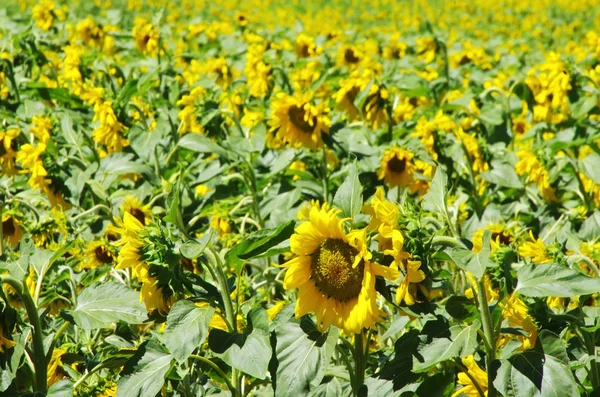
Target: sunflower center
397 165
8 227
102 254
298 117
350 56
332 270
139 215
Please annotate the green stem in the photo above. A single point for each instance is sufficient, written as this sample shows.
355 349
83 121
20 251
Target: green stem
346 361
218 370
445 241
94 208
217 267
589 339
359 361
58 334
1 232
488 330
40 362
325 176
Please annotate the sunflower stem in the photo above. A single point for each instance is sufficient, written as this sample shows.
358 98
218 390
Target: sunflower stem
359 361
1 232
325 176
218 370
40 363
488 330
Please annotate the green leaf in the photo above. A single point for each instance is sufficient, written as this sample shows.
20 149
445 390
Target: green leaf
543 371
399 367
249 352
199 143
554 280
259 242
492 114
590 228
19 269
187 326
503 175
590 165
193 249
457 341
348 197
583 106
435 199
462 308
475 263
62 388
174 207
303 354
117 164
99 305
148 377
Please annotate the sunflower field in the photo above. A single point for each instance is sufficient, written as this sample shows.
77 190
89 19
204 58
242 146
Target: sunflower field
295 198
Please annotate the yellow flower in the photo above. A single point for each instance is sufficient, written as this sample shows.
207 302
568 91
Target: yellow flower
297 166
529 165
517 315
201 190
479 375
109 132
153 297
41 128
306 47
296 121
413 275
11 230
373 110
384 219
491 293
188 114
333 273
146 36
43 14
5 343
97 253
274 311
8 155
135 207
55 371
396 167
535 249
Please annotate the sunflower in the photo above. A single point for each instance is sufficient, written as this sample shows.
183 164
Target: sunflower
11 230
396 167
333 273
135 207
297 121
97 254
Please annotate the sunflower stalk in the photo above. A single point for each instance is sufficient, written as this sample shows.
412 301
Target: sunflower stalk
325 176
360 361
40 363
488 331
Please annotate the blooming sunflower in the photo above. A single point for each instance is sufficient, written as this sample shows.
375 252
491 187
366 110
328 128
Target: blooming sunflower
297 121
396 167
135 207
97 254
334 273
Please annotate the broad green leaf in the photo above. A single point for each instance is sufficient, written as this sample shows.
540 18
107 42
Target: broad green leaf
187 326
349 198
492 114
503 175
199 143
117 164
148 377
19 269
259 242
462 308
540 372
457 341
396 326
62 388
435 199
399 368
475 263
582 107
554 280
590 228
193 249
249 352
303 354
99 305
590 165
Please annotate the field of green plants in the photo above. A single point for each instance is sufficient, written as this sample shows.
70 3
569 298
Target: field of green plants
295 198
